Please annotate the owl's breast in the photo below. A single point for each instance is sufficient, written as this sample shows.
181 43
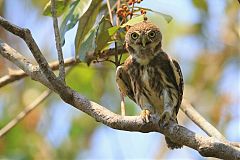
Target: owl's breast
152 87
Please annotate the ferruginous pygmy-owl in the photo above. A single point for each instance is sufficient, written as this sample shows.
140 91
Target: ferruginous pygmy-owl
150 77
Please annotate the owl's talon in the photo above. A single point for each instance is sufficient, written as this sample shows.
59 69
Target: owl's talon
145 114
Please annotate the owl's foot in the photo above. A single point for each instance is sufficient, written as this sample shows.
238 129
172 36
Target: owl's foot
145 114
166 117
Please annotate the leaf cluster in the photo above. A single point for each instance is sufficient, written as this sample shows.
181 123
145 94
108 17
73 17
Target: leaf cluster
95 32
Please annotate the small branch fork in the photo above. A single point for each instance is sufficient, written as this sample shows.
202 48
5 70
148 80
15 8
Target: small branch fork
56 84
206 146
58 41
19 74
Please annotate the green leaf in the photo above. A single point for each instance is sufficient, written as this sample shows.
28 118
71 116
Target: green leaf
76 10
86 23
167 17
113 30
133 21
102 37
95 40
88 45
60 7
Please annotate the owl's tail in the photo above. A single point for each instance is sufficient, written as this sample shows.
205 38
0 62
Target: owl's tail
171 144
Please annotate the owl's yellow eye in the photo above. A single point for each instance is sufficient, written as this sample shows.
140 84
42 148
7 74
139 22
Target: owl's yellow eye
152 34
134 36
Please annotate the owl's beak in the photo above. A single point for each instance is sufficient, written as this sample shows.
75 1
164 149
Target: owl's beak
144 41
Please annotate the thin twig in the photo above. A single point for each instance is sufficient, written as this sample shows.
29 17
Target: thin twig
120 58
19 74
111 19
132 11
114 6
30 107
210 130
117 18
26 111
200 121
110 12
58 41
116 54
24 33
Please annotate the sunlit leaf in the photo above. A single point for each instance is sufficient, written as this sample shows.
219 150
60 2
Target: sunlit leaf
86 22
102 37
113 30
167 17
133 21
75 11
96 39
60 7
88 45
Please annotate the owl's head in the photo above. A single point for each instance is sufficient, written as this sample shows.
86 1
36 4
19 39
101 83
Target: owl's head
143 41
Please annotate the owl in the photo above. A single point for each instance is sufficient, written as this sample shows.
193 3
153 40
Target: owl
149 77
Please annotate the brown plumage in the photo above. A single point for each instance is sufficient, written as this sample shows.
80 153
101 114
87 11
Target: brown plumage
150 77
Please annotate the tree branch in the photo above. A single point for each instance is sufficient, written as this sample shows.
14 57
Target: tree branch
210 130
110 12
25 34
206 146
207 127
58 41
19 74
20 61
26 111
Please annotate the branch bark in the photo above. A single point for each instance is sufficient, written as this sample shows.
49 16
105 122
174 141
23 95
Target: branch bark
16 58
26 35
58 41
188 109
19 74
206 146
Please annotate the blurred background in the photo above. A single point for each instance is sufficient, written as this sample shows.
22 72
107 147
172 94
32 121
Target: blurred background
204 36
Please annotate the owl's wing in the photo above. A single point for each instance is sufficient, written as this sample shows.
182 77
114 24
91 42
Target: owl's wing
179 80
124 83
